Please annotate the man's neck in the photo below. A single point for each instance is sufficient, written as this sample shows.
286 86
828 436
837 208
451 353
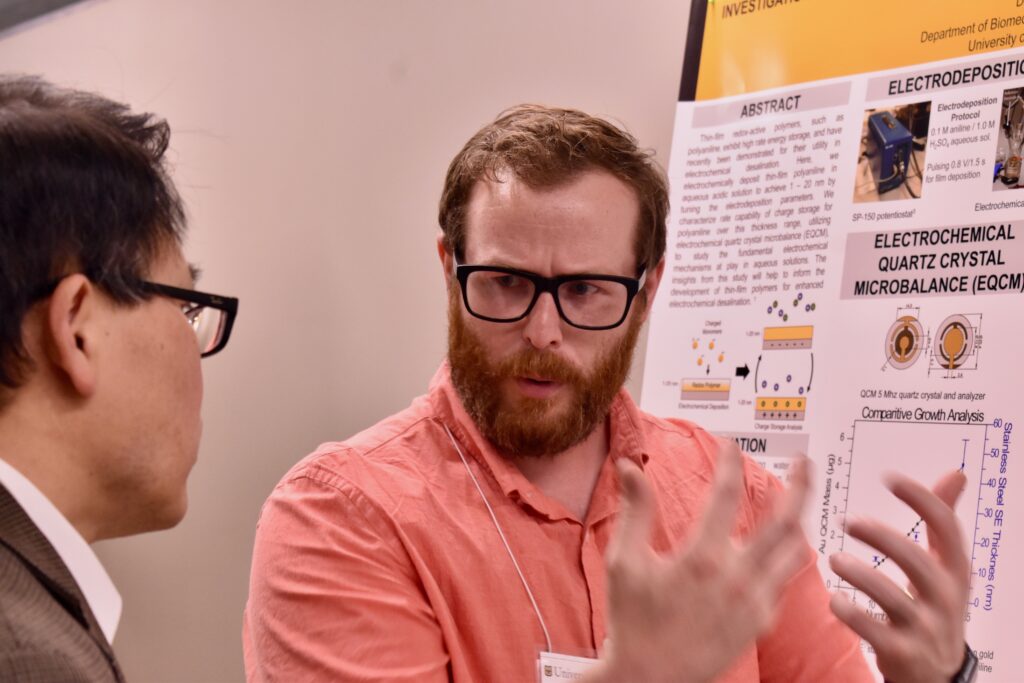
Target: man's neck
32 447
570 476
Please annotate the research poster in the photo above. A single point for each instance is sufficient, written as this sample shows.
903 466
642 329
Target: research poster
845 266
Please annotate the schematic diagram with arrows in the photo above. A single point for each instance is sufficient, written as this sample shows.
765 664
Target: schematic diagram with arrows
708 357
775 384
785 368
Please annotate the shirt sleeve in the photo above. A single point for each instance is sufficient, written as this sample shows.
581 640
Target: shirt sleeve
807 642
333 595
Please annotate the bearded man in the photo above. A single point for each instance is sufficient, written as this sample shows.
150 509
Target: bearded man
473 536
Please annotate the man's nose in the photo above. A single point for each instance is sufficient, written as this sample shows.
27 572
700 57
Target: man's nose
543 328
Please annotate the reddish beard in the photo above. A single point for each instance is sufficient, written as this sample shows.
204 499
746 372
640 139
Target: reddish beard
525 426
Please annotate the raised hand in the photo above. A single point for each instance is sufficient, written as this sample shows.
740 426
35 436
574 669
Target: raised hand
688 615
923 639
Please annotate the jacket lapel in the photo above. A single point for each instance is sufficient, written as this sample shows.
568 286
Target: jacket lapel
19 534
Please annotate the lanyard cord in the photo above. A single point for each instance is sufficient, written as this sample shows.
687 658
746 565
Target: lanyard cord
529 593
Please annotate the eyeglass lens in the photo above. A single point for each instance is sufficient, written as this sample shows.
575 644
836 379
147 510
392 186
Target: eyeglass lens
208 324
504 296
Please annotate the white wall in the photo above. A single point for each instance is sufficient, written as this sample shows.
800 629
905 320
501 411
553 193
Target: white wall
310 143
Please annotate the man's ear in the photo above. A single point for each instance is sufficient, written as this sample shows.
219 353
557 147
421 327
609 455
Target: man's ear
69 332
447 260
651 285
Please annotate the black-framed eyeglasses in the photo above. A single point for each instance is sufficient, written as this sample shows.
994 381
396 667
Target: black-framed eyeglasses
586 301
211 316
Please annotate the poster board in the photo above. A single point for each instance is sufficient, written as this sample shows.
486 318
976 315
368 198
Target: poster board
845 265
16 12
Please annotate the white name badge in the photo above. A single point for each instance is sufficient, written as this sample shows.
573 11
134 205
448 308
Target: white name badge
555 667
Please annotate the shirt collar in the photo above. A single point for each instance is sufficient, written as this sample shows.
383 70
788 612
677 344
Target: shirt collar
626 440
92 579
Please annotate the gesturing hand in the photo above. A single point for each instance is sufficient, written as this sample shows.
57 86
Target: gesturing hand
688 615
923 638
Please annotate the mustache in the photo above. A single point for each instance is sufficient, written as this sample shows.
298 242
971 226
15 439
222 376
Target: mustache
541 364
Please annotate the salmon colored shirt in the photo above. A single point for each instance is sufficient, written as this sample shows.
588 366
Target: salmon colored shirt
377 560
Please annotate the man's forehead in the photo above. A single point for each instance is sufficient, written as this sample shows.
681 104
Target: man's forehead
588 223
595 187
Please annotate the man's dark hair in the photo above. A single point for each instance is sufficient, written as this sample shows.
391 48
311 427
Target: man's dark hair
83 189
545 147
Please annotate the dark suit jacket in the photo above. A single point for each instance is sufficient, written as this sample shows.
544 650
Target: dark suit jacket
48 634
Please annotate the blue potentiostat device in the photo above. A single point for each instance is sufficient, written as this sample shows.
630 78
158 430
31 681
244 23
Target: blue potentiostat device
889 146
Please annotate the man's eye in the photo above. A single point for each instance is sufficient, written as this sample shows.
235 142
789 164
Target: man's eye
581 288
508 281
192 312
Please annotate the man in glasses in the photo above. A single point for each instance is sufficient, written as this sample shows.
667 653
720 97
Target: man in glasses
480 535
100 383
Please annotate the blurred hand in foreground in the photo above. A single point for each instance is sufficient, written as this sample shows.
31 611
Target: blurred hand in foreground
922 641
688 615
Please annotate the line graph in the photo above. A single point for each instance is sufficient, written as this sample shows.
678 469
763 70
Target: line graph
924 451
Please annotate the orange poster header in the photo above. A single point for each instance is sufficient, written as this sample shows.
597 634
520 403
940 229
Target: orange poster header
752 45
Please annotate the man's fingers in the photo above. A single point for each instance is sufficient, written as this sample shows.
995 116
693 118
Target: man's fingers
773 570
949 487
633 531
911 558
799 487
861 623
778 548
944 536
719 514
876 585
786 514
